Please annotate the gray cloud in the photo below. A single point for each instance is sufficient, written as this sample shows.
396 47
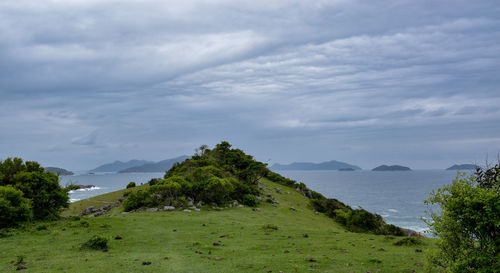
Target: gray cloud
85 82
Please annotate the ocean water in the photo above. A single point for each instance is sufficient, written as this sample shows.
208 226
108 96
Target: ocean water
104 182
397 196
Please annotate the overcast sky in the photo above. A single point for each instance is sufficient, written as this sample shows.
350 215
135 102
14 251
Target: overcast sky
86 82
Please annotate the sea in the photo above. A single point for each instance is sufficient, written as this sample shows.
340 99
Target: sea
398 196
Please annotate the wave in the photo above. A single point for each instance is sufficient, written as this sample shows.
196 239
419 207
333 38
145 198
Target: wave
85 189
393 210
71 200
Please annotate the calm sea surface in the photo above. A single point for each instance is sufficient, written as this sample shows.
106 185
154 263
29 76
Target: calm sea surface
397 196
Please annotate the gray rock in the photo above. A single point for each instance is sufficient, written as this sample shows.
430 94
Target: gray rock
192 208
152 209
187 210
235 202
190 203
125 212
168 208
99 213
89 210
316 212
292 208
199 204
278 190
241 206
196 209
259 198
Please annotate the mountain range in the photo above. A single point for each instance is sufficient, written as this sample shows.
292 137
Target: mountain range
161 166
308 166
119 165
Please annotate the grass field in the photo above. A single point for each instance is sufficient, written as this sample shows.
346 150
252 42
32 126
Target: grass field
211 240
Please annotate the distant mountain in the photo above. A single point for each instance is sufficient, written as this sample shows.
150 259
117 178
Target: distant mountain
391 168
118 165
58 171
462 167
346 169
161 166
308 166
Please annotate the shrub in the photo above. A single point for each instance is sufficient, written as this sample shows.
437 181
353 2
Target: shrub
270 226
408 241
140 198
14 208
467 224
392 230
131 185
71 187
41 187
361 220
96 243
249 200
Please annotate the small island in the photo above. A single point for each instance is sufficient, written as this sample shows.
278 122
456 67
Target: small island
460 167
391 168
346 169
58 171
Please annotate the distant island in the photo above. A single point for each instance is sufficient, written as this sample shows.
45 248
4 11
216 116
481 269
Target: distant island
346 169
391 168
58 171
161 166
119 165
462 167
308 166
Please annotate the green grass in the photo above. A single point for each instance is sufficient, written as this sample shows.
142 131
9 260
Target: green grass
227 240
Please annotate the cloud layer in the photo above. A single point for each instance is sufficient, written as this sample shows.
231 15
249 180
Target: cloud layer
408 82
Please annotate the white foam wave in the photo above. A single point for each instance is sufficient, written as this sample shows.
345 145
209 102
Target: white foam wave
71 200
393 210
85 189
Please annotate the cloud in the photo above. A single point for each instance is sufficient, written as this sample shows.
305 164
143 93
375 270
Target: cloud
123 79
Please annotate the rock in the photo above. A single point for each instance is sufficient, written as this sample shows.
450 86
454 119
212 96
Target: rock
279 190
292 208
316 212
187 210
118 238
419 264
196 209
146 263
89 210
199 205
125 212
305 235
286 252
344 250
241 206
192 207
99 213
235 202
409 232
168 208
107 207
256 209
190 202
152 209
218 258
418 250
274 205
381 249
259 198
311 259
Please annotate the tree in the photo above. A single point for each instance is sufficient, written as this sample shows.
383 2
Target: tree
40 187
468 223
14 208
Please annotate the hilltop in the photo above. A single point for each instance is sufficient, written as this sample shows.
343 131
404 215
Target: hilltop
308 166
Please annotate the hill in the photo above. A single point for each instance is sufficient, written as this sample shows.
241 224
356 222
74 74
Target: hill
59 171
462 167
391 168
161 166
202 217
308 166
118 165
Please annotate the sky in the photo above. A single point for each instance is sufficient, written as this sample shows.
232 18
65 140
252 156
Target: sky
87 82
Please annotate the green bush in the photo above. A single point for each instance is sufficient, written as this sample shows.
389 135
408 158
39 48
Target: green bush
468 222
392 230
14 208
137 199
249 200
96 243
361 220
131 185
408 241
47 197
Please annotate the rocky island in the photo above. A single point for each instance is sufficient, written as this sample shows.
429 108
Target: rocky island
391 168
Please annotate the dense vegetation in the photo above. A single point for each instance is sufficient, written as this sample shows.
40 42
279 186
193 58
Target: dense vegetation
468 223
223 174
28 191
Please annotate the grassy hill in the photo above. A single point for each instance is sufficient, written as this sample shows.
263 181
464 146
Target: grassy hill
211 240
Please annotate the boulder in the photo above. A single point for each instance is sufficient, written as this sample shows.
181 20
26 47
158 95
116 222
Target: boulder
89 210
152 209
278 190
168 208
292 208
187 210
